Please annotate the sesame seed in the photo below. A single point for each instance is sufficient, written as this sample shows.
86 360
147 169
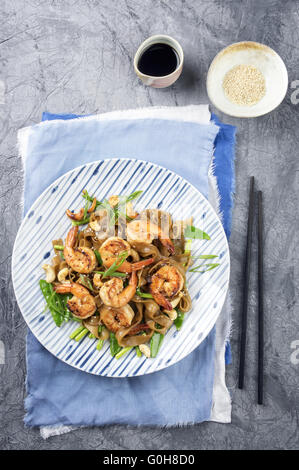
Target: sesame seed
244 85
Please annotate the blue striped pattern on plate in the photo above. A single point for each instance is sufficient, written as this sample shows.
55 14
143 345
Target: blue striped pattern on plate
46 221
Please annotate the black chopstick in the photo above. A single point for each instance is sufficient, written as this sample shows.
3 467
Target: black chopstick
260 300
246 284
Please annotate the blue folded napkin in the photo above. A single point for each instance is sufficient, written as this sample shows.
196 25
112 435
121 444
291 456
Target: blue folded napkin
60 394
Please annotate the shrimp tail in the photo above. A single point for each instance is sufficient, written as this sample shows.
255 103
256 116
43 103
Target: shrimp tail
168 244
75 216
161 300
141 264
133 279
71 237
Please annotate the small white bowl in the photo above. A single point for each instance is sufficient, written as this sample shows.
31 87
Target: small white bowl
248 53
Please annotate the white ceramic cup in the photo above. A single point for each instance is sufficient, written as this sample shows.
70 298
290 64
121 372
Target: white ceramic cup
166 80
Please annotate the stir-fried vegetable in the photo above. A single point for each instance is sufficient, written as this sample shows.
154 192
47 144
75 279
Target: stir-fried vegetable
81 222
115 274
81 334
98 257
156 341
95 323
56 303
122 352
114 346
114 267
179 319
113 213
210 266
194 232
204 257
58 247
100 344
76 332
144 295
85 281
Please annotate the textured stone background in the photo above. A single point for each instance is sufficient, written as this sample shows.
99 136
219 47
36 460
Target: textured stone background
76 56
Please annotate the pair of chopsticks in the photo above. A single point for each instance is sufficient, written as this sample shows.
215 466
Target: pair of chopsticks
247 264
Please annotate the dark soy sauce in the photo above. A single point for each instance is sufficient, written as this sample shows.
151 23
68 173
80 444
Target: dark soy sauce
158 60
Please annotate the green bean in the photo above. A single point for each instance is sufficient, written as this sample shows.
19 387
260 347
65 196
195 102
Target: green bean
114 346
82 334
179 319
155 344
51 299
76 332
122 352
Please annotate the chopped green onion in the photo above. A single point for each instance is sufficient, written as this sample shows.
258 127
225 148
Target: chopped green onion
115 274
91 336
81 335
122 352
58 247
211 266
113 213
90 198
134 195
114 267
144 295
100 344
138 352
81 222
194 232
85 210
85 281
98 257
76 332
204 257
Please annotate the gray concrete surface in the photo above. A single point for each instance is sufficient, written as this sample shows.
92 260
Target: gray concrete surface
76 56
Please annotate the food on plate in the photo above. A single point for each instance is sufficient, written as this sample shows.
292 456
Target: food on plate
122 274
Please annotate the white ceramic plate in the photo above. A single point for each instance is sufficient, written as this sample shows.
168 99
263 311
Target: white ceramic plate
250 53
46 221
